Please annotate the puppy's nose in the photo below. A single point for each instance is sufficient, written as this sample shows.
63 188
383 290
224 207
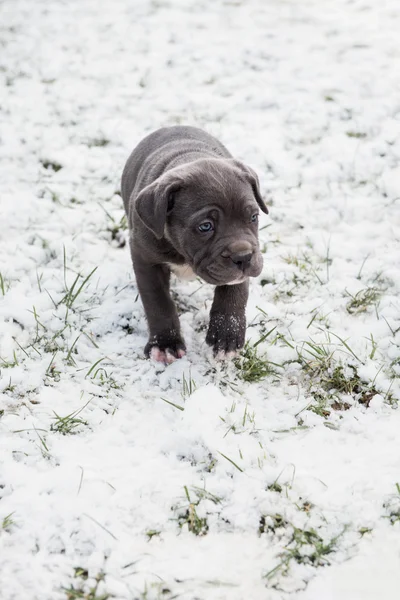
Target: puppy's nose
242 259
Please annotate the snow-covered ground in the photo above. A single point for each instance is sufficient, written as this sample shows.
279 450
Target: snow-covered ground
197 481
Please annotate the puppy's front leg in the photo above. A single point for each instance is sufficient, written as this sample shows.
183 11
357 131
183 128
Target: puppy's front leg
227 328
165 341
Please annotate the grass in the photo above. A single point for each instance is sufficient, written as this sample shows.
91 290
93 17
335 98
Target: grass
92 368
10 387
81 590
188 516
156 590
306 547
102 377
99 142
116 227
178 406
67 425
7 522
70 359
42 445
152 533
188 386
253 366
73 292
7 364
356 134
231 461
51 165
4 284
360 302
329 378
392 506
245 423
51 370
270 523
308 269
275 487
334 379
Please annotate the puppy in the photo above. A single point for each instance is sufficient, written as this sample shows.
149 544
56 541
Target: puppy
193 209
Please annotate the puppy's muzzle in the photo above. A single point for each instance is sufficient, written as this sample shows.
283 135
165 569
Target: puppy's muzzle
241 254
242 259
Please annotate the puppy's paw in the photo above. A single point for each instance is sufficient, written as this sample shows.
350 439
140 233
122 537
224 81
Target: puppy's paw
165 347
221 355
226 334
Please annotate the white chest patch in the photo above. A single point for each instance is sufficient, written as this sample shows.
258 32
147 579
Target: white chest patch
183 271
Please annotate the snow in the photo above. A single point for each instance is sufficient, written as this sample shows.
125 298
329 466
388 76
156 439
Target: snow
308 95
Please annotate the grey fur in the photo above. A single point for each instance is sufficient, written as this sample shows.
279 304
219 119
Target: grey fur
176 179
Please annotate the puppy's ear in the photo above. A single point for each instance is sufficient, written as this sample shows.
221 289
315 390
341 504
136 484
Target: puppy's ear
252 178
156 201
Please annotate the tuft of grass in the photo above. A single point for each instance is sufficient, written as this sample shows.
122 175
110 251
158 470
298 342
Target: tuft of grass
203 494
82 591
328 376
188 386
92 368
356 134
392 506
102 377
116 228
51 165
42 445
152 533
156 590
10 387
275 487
68 424
360 302
246 422
338 380
252 366
4 284
99 142
7 522
320 405
189 517
306 547
70 359
81 572
74 291
7 364
51 370
270 523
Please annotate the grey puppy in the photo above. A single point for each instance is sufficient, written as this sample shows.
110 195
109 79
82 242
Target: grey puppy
192 208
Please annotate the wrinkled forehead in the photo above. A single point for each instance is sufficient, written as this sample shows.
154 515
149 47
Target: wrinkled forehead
220 185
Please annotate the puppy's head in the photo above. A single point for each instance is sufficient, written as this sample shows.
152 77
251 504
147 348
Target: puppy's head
208 210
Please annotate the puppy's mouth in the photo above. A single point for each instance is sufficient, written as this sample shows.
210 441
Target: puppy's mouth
221 275
219 280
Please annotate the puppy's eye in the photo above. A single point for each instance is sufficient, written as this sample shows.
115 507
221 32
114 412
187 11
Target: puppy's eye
254 218
206 227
